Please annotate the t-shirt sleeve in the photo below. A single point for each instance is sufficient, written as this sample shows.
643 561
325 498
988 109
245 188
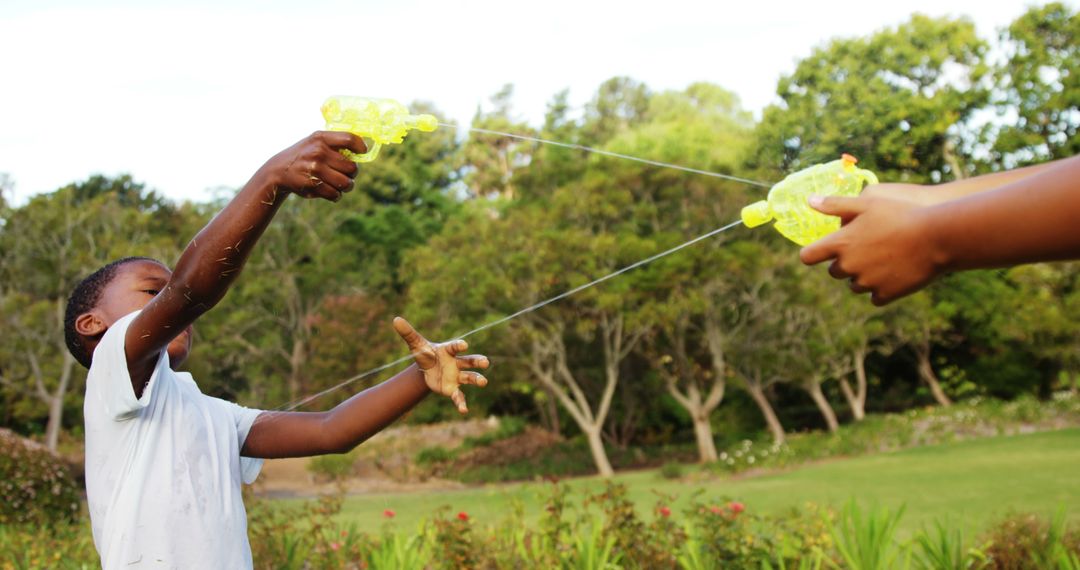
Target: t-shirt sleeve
109 381
244 418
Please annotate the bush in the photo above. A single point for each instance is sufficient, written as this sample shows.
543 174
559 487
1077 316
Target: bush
509 426
434 456
600 530
672 470
334 467
58 545
1023 541
36 487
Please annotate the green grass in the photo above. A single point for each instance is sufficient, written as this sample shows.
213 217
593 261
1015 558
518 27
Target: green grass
972 483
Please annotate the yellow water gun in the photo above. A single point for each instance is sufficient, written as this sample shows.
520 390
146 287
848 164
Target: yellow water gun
786 203
377 121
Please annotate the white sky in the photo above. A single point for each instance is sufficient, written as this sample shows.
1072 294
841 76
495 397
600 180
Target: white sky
191 95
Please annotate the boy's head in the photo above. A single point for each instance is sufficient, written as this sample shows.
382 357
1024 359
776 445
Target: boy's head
109 294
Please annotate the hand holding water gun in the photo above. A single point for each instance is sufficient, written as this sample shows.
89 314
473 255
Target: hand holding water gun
377 121
896 239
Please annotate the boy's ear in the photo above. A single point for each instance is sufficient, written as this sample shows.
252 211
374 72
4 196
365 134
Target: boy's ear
90 325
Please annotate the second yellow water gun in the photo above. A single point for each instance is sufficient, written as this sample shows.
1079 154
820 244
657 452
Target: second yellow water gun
377 121
786 203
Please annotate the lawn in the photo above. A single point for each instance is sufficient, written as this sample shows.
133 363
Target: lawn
971 482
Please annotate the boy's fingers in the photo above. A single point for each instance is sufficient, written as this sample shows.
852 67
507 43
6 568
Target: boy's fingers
474 378
338 162
458 397
836 271
473 361
842 206
337 181
454 347
821 250
338 140
409 334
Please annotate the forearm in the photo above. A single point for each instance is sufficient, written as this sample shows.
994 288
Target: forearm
299 434
355 420
214 257
957 189
1033 218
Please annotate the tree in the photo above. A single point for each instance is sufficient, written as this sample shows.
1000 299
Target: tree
701 127
49 244
1039 81
492 160
920 322
901 100
850 329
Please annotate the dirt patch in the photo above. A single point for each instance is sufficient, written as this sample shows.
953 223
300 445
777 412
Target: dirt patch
383 464
529 443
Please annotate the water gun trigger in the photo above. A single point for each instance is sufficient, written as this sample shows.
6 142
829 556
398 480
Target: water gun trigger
371 154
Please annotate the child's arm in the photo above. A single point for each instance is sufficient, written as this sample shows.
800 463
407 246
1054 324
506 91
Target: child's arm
892 247
929 195
312 167
438 369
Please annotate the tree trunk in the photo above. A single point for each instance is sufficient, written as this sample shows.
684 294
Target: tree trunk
926 372
549 412
548 362
856 398
771 420
859 358
703 433
599 454
857 410
296 367
814 389
948 151
56 404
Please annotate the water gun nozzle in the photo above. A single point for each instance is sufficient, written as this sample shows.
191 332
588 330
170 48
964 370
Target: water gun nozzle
757 214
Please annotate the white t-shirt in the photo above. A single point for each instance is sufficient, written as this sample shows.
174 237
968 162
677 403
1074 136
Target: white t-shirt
163 472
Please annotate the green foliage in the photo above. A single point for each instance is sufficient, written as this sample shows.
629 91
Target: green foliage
56 545
434 455
335 466
973 418
1025 540
672 470
509 426
942 547
36 486
399 551
897 99
1040 81
867 540
602 531
452 542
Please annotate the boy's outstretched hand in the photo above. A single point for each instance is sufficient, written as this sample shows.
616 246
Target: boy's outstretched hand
443 370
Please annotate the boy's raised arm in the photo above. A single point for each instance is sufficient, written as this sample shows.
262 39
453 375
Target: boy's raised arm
312 168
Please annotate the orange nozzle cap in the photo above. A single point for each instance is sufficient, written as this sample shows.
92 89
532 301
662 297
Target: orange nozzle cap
849 159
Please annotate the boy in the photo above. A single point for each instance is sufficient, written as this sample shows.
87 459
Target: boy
897 238
164 463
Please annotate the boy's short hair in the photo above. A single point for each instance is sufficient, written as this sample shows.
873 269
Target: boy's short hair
84 298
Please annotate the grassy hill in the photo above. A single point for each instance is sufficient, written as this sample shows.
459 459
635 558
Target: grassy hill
971 482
